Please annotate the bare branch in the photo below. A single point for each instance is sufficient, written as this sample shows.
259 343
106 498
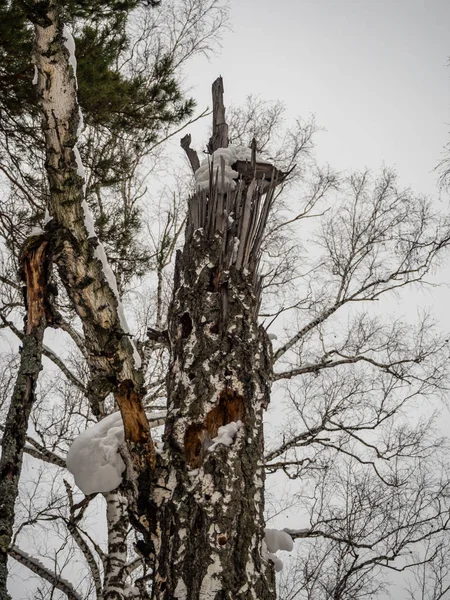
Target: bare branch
40 569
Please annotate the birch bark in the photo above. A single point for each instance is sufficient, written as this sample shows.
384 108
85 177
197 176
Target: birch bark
116 561
80 257
208 501
36 270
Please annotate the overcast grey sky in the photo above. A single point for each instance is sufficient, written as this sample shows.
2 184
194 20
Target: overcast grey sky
373 72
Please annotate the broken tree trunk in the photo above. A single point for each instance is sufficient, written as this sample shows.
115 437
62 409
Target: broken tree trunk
208 501
219 138
90 283
36 269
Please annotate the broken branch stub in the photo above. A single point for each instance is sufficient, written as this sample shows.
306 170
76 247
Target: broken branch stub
219 138
185 143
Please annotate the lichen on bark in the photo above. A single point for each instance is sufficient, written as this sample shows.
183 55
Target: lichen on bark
208 521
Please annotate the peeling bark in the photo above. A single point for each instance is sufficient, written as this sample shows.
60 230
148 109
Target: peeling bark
36 270
208 501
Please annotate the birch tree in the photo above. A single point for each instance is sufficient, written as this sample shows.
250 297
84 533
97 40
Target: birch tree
197 500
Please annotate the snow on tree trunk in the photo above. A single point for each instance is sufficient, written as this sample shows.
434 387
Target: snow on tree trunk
207 518
36 269
82 263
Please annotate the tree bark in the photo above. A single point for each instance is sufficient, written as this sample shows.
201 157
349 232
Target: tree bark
36 270
81 260
209 504
117 521
208 501
219 138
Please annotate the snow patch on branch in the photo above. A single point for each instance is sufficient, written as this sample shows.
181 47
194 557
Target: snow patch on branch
69 43
93 458
112 282
47 217
274 541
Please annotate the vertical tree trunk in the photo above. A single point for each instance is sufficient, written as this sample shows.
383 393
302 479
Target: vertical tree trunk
117 523
36 269
208 501
90 283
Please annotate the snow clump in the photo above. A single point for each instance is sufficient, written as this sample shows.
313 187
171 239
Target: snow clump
226 435
275 540
93 458
230 156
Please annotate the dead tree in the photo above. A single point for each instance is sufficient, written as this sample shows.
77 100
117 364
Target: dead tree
36 264
208 499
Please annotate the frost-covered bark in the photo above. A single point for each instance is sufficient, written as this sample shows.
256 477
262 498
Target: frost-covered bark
36 269
82 264
207 521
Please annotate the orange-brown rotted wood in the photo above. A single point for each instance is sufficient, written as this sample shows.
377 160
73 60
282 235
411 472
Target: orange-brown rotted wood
35 269
135 422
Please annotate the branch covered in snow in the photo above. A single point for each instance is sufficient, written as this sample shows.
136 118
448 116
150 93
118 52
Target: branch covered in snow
40 569
276 540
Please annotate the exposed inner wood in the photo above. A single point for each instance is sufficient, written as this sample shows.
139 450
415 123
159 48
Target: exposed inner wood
199 436
36 263
35 268
135 421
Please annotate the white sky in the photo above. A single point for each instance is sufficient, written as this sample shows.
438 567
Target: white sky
373 72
